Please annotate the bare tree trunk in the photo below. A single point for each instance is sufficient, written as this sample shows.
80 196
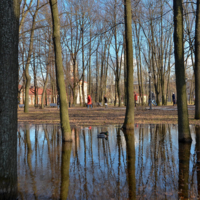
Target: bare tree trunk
9 37
64 117
125 74
47 73
97 77
75 81
83 67
90 51
28 77
129 117
183 122
35 81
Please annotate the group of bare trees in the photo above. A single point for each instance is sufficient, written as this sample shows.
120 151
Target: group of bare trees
65 43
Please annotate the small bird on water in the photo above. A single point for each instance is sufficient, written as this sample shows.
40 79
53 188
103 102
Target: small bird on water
103 135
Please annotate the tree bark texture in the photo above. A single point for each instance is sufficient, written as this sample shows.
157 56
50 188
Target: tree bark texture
64 116
197 63
9 36
129 116
183 122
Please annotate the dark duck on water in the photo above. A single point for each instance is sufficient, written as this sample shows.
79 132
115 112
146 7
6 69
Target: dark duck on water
103 134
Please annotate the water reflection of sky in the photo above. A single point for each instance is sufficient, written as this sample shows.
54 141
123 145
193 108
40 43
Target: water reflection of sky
98 167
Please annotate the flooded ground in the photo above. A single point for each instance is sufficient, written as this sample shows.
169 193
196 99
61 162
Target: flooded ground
143 164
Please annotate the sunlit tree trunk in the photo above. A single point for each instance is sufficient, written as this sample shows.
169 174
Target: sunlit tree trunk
125 74
64 117
183 122
129 117
83 67
9 37
89 75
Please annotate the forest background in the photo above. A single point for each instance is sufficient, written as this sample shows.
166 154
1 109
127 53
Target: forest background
93 49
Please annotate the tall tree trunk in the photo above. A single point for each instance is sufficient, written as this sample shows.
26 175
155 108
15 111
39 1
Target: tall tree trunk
129 117
197 63
35 81
117 74
75 81
28 77
183 122
9 37
97 77
125 74
44 88
64 117
47 73
83 67
89 75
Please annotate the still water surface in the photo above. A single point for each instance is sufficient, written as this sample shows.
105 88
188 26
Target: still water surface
146 163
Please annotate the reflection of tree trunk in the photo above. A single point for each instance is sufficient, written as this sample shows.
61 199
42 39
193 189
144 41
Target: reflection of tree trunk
130 150
184 159
66 153
29 155
197 128
119 160
85 163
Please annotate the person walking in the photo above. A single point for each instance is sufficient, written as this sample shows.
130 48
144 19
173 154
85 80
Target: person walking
135 98
173 99
89 104
58 102
105 101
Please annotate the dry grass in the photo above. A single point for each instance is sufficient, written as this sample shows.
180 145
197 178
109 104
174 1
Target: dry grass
101 116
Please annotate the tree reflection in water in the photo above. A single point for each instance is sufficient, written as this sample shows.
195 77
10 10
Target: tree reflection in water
144 164
184 161
197 129
65 165
130 151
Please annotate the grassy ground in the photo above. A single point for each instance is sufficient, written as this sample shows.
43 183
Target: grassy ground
81 116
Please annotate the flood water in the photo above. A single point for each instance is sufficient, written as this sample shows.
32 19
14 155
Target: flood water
147 163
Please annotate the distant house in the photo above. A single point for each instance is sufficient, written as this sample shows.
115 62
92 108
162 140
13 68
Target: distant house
47 99
80 94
